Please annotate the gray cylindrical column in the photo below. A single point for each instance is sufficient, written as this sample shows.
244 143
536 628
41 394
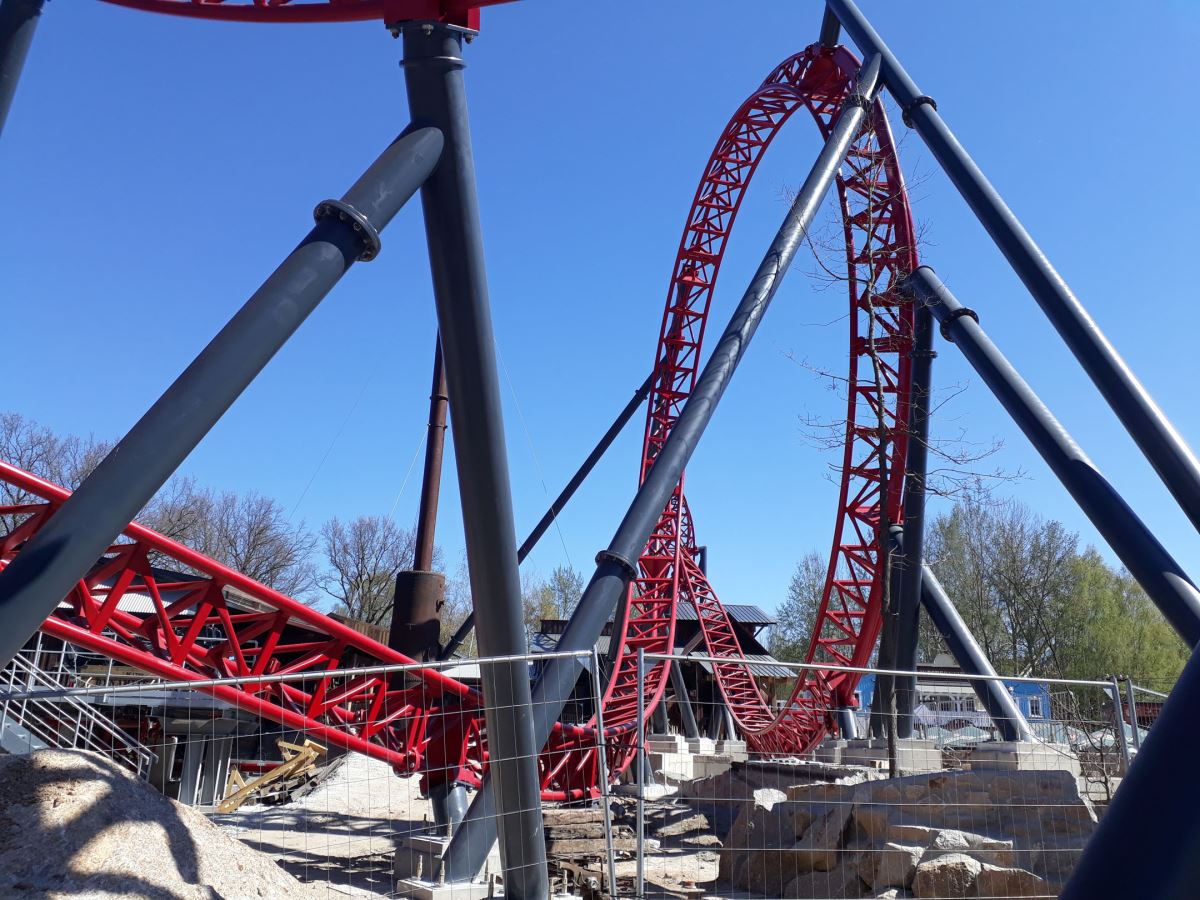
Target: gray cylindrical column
971 659
1156 571
78 534
616 566
1148 842
908 616
18 21
679 685
560 502
848 723
1147 425
437 97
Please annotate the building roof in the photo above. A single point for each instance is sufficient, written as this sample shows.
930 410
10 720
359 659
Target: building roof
762 665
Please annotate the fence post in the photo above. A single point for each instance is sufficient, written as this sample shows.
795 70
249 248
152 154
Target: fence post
1131 700
641 763
602 774
1119 721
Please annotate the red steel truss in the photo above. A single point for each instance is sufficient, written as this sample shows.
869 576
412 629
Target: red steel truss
880 251
464 13
427 722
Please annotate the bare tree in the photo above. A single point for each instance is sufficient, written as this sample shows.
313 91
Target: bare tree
66 461
792 633
363 557
247 532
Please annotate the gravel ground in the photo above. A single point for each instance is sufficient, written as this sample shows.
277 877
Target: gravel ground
341 836
76 825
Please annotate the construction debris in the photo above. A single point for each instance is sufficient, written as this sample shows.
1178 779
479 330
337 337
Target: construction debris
297 768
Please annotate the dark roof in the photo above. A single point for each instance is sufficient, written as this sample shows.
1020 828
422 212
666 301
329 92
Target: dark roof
761 664
740 613
743 613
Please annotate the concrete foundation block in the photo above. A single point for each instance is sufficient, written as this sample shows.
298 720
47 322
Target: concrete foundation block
1017 756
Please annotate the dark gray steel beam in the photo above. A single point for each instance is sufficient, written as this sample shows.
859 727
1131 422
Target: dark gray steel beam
1147 425
433 69
560 502
685 702
1160 576
908 618
971 659
74 539
18 21
831 29
1152 818
617 565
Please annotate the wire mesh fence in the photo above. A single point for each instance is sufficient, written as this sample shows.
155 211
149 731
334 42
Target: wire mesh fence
341 821
700 800
955 800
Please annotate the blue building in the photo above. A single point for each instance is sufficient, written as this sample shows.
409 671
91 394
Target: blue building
950 703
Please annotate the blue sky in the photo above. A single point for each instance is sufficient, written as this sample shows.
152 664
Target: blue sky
155 170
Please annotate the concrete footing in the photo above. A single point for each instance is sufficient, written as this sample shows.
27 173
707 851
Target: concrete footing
1013 756
913 755
419 869
687 759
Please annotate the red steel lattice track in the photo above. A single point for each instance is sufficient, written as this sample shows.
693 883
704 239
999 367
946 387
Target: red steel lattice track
426 721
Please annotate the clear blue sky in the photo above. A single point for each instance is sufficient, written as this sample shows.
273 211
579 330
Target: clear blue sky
154 170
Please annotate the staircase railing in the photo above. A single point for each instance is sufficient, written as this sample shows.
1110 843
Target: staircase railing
63 721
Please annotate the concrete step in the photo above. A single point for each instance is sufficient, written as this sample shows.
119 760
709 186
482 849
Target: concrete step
16 738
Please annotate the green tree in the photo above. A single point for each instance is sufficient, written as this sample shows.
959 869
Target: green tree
792 633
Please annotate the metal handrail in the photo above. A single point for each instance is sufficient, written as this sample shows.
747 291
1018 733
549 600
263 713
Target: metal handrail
87 721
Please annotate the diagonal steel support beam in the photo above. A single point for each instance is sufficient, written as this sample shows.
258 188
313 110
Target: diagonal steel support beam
1162 445
617 565
560 502
347 230
1160 576
18 22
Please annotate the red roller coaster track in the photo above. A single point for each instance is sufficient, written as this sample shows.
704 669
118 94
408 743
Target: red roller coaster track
426 721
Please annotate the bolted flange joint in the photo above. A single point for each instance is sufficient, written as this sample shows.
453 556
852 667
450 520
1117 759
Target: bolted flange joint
609 556
862 101
953 316
916 101
367 234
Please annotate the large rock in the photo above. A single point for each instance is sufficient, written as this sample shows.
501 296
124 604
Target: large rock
841 881
949 876
76 825
994 881
889 866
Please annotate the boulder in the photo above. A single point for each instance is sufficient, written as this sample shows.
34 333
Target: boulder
841 881
995 881
888 866
947 876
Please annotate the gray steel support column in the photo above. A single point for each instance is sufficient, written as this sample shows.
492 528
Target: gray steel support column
971 659
18 21
1152 819
885 684
1147 425
1131 702
617 565
74 539
908 619
560 502
433 69
1148 561
685 702
847 723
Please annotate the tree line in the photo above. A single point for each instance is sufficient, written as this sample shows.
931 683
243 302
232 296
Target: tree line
1038 600
345 566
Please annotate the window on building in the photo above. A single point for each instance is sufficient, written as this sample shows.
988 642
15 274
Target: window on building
1035 707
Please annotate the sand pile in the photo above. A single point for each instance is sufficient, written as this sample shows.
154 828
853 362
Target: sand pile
76 825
